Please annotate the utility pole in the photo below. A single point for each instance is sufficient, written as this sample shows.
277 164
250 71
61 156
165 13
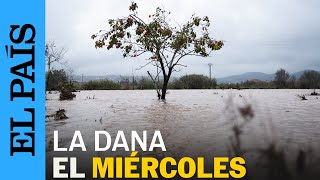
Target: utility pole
132 79
210 64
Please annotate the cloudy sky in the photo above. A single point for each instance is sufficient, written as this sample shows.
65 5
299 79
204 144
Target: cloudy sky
259 35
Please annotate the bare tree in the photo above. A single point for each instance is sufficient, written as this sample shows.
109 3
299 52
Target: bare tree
310 79
53 55
70 75
125 82
281 78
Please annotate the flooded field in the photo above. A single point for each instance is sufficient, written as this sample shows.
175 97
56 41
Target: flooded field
192 122
199 116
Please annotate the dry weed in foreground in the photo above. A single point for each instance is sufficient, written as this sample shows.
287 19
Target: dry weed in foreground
271 160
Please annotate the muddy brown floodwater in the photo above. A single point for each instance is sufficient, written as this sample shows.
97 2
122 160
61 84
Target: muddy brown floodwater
192 122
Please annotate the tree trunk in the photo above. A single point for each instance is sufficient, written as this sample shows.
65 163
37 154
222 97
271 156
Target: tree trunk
48 76
47 81
164 88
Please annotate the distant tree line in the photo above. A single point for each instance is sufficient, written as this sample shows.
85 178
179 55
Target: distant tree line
59 80
308 80
193 81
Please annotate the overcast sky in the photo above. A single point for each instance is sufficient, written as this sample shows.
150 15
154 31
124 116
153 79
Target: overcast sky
259 35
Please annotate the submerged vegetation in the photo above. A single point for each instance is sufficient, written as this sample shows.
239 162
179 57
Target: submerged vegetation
66 94
58 115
